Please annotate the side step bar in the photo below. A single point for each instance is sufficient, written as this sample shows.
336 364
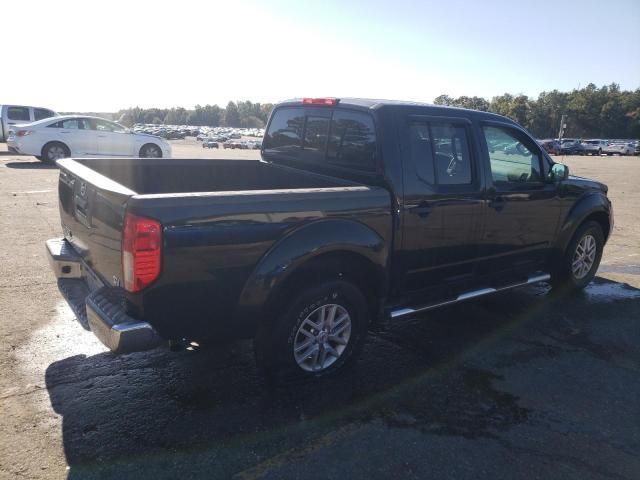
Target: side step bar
401 312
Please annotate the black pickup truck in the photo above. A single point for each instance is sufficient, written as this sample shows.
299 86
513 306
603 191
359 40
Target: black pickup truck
359 211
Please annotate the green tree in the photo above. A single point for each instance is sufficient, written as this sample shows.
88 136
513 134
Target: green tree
232 115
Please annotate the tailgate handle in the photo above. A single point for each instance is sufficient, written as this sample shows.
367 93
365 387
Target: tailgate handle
81 207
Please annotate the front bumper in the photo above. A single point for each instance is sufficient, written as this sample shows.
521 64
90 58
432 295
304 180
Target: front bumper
97 306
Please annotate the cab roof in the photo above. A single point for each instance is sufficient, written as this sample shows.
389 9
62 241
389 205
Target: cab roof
378 104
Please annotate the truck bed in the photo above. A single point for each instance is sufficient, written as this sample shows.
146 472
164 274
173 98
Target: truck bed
219 219
156 176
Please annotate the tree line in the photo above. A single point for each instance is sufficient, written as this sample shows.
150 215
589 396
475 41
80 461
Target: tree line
605 112
237 114
592 112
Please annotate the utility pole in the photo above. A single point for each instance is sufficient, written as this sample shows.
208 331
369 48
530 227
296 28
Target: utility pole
563 126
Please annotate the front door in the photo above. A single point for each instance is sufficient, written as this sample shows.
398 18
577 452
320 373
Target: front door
523 206
113 139
442 209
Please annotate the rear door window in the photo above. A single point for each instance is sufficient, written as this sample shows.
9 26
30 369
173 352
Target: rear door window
440 153
20 114
72 124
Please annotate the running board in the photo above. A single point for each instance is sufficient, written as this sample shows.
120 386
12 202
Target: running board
401 312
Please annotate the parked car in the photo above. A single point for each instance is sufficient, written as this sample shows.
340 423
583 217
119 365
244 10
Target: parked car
571 147
82 136
210 143
229 144
552 147
618 147
307 249
594 146
17 114
174 135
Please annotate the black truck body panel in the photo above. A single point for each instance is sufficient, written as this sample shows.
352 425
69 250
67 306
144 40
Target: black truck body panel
235 231
214 241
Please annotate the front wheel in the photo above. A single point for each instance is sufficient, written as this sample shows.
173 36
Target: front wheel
150 151
317 333
581 259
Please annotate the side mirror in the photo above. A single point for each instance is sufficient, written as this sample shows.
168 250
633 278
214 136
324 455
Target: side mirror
559 172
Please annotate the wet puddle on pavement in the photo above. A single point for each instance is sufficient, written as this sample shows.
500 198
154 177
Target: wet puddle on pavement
610 291
62 337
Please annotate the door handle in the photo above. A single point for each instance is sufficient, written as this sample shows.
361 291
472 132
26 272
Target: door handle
422 209
497 203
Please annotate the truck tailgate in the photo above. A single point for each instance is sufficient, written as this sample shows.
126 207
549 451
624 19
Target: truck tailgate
92 209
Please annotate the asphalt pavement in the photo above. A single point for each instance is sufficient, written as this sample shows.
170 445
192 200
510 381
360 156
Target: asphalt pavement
524 384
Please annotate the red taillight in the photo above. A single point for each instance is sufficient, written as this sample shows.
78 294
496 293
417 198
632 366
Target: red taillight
320 101
141 251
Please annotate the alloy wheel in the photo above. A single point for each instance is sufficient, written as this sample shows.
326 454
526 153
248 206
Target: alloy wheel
584 257
56 152
322 337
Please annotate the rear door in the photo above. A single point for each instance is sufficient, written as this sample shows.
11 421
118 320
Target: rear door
523 208
442 207
75 133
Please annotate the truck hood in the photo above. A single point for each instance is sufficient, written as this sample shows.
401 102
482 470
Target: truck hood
586 184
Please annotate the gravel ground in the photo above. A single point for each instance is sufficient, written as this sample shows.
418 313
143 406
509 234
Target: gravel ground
519 385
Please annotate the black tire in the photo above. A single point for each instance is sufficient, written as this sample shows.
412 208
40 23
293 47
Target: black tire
599 151
563 278
52 150
145 151
275 339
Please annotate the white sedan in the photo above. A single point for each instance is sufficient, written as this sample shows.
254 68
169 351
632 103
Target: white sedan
81 136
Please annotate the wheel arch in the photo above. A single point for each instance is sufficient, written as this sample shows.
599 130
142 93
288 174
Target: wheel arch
320 250
52 142
592 207
146 144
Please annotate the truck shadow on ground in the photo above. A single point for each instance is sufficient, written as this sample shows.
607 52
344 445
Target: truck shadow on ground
31 165
148 414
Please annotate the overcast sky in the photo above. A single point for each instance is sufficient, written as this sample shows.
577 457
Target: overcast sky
102 56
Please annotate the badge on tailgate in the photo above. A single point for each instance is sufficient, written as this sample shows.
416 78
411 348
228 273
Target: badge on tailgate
81 201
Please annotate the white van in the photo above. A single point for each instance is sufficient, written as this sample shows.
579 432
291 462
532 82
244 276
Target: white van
16 114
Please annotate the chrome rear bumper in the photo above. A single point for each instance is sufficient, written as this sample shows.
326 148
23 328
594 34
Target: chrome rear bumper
98 307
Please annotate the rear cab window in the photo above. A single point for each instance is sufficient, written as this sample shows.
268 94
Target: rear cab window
20 114
323 137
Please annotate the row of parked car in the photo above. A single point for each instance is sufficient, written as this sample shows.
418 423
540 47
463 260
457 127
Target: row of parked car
218 142
175 132
573 146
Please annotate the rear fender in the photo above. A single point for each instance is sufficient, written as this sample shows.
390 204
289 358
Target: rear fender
299 247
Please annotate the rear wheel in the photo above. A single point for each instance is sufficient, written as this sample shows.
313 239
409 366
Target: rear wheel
581 259
316 333
150 151
54 151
